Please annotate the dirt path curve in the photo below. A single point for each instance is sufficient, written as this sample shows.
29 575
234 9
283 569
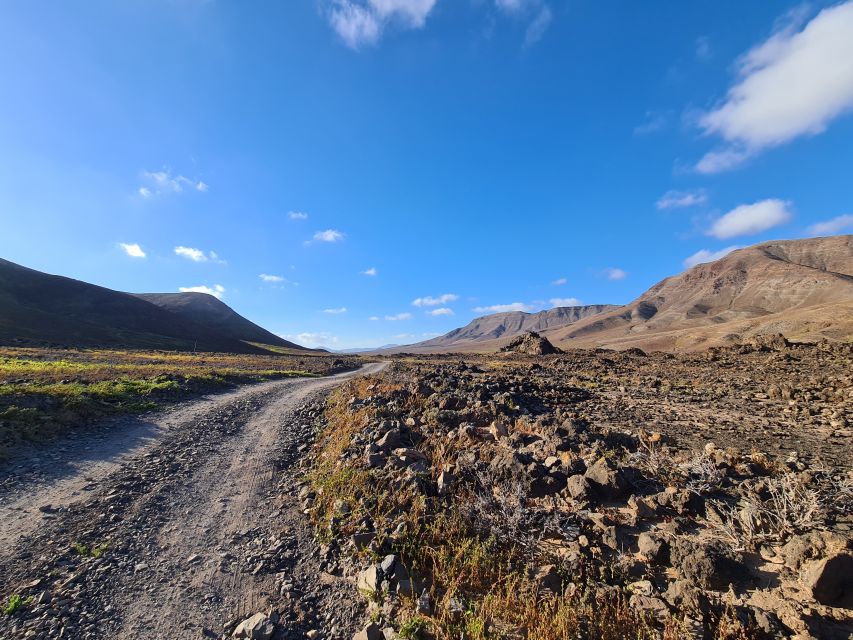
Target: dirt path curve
196 509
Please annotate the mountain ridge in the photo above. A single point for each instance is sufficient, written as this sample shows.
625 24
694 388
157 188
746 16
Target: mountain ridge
39 309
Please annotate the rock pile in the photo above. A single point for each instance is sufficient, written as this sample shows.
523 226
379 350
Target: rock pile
532 344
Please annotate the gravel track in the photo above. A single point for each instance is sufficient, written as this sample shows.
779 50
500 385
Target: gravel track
196 508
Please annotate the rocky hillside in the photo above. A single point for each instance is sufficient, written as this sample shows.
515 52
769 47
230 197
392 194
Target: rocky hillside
209 311
802 288
595 495
504 326
532 344
38 309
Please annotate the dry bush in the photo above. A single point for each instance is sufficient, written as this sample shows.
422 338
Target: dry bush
788 507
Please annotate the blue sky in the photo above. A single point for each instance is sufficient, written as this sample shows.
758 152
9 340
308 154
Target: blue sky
358 172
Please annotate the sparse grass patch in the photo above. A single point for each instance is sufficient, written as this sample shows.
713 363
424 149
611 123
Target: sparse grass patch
16 602
45 391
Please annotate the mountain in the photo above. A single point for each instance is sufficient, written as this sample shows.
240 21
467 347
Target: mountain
41 309
802 289
486 329
211 312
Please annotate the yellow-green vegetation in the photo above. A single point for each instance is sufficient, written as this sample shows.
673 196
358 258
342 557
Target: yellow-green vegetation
16 602
86 552
45 391
488 581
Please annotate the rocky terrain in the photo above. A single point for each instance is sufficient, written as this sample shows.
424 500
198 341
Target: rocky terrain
596 494
583 494
179 525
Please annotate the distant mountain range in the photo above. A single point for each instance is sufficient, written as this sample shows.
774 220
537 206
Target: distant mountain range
41 309
800 288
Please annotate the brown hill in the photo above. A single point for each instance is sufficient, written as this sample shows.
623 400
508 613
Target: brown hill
532 344
486 329
800 288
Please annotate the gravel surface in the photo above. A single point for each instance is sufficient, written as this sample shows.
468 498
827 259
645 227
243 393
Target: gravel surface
185 523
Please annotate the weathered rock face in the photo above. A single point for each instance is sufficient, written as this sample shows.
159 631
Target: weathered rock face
532 344
711 565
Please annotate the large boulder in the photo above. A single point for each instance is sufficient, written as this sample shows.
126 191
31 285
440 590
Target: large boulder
711 565
532 344
831 580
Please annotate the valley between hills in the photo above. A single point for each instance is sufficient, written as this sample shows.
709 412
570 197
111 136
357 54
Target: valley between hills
677 467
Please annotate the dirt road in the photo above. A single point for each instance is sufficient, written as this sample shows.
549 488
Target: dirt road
184 522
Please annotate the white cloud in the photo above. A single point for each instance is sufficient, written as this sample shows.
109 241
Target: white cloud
429 301
504 308
373 318
311 339
217 290
400 316
565 302
614 273
329 235
360 22
704 255
792 84
748 219
370 272
559 282
165 182
722 160
133 250
830 227
680 199
441 311
197 255
297 215
336 311
266 277
404 336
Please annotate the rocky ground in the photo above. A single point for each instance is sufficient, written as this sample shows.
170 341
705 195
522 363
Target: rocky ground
596 494
586 494
196 532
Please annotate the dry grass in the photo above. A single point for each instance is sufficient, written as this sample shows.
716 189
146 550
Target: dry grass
45 391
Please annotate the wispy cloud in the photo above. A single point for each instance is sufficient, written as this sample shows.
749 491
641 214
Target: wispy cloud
133 250
681 199
565 302
329 235
374 318
400 316
761 110
748 219
429 301
614 273
266 277
197 255
313 339
362 22
441 311
372 271
160 182
217 290
538 26
336 311
830 227
559 282
504 308
704 255
653 122
704 51
297 215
